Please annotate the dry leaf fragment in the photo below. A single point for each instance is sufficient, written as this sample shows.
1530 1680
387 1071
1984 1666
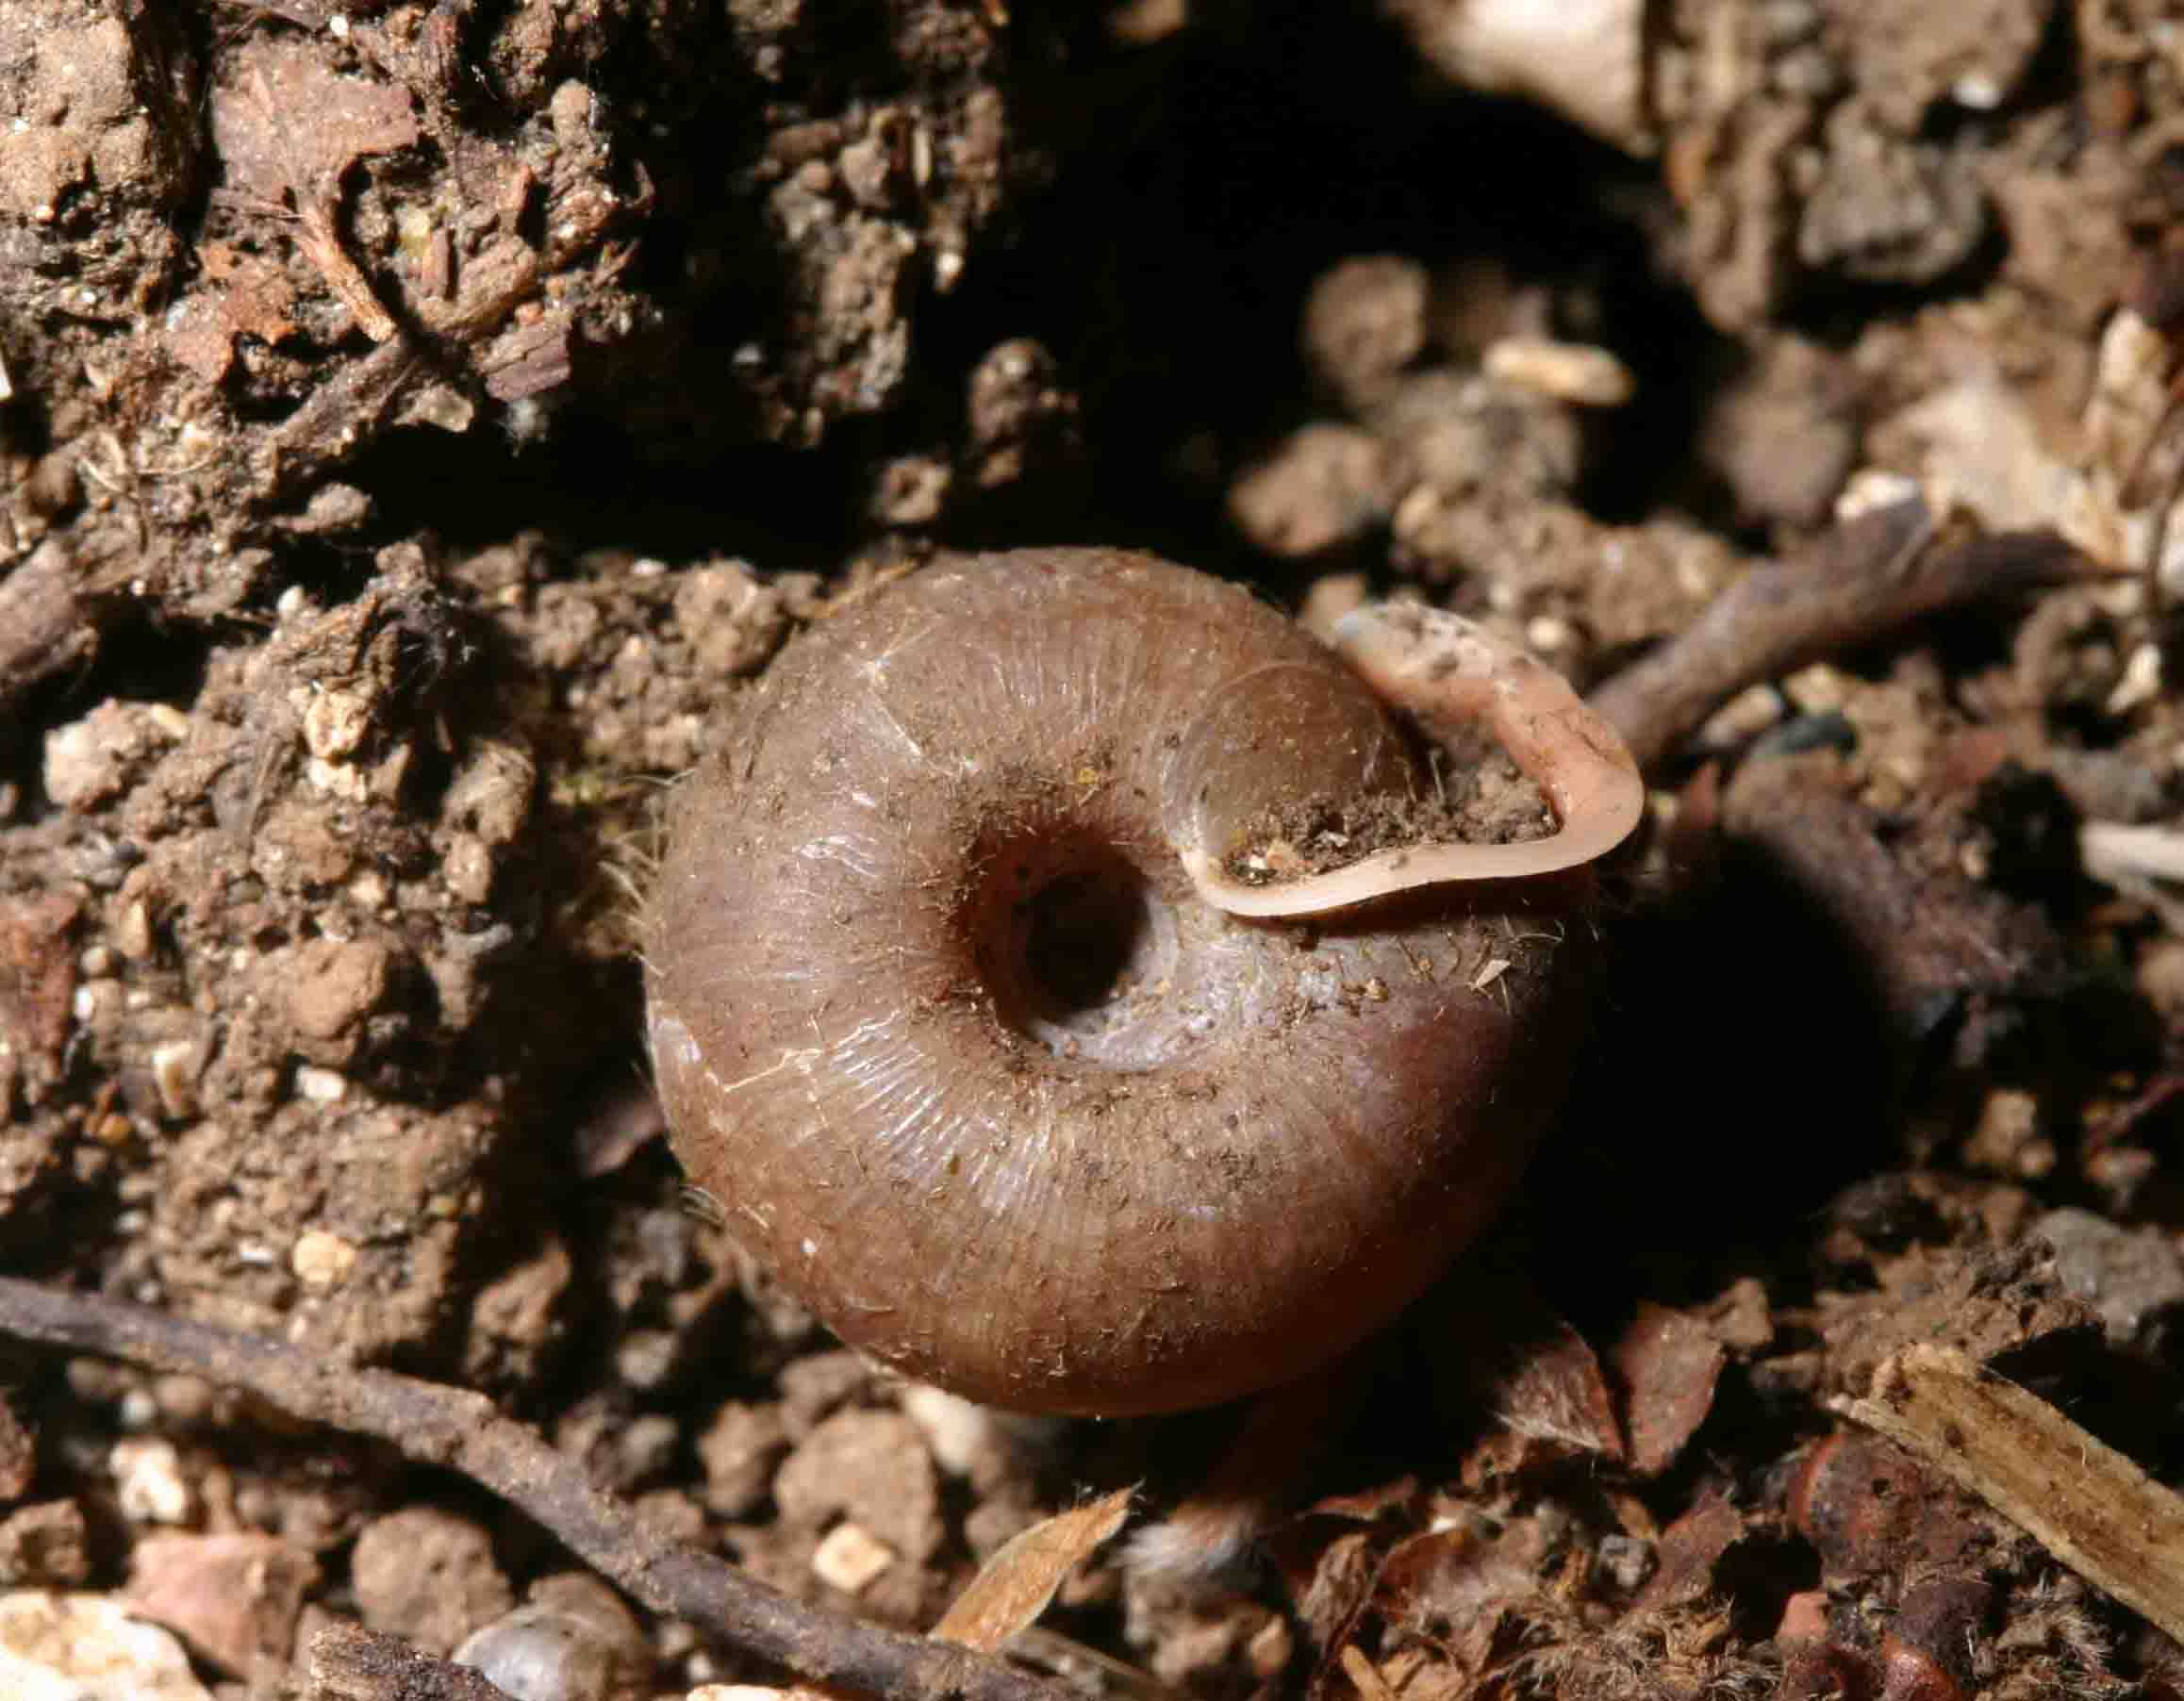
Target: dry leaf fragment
1371 1684
244 296
1544 1386
1464 1583
1019 1581
287 122
288 128
1330 1583
1687 1553
36 971
1669 1361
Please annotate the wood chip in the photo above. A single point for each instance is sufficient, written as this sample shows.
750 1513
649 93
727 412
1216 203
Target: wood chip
2083 1501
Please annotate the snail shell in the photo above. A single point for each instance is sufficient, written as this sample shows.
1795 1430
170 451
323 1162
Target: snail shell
943 1021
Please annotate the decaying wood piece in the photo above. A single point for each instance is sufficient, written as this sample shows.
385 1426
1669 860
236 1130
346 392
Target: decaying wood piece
2086 1503
350 1663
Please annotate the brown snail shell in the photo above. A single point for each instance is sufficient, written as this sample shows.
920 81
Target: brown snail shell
943 1020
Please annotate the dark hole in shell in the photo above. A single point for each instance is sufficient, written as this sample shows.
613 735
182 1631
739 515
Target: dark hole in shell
1083 945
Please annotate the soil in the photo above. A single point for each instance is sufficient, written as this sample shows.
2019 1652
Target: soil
1480 799
417 416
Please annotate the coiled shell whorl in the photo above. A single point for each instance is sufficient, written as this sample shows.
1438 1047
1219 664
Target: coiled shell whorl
942 1021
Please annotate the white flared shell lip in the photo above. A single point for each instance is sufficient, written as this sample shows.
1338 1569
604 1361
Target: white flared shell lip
1441 666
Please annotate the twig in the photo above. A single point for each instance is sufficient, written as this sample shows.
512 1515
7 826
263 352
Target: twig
461 1430
340 417
2080 1498
1864 578
316 196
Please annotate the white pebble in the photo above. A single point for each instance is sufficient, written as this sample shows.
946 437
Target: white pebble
85 1647
321 1086
148 1481
1562 371
851 1557
320 1259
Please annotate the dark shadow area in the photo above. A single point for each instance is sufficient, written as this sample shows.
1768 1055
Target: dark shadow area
137 660
1168 269
1200 185
1742 1071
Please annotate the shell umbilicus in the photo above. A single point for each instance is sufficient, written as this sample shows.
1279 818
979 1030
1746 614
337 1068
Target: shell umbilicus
968 1007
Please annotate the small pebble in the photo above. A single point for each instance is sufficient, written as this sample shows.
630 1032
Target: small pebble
1562 371
850 1559
321 1086
148 1482
320 1259
87 1647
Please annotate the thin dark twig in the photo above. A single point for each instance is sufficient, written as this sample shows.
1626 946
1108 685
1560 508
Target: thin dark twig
462 1431
1864 578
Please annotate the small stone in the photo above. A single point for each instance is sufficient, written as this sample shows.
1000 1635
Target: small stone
850 1559
427 1575
2133 1278
175 1066
572 1641
1366 320
490 794
2007 1139
320 1259
18 1454
645 1357
92 761
321 1086
45 1544
960 1432
1562 371
235 1597
911 491
1743 718
87 1647
645 1448
1330 597
872 1468
467 869
1322 485
740 1450
132 931
333 985
1625 1560
334 724
148 1482
338 780
732 621
540 1653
